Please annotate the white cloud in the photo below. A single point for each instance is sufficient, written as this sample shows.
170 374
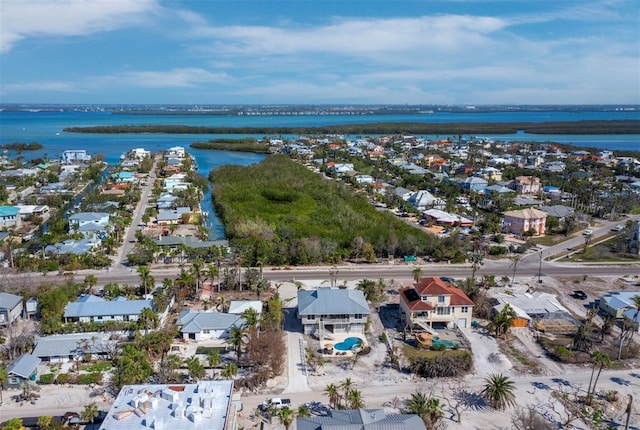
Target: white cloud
23 19
42 86
176 78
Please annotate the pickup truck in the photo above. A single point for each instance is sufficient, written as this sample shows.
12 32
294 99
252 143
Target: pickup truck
275 401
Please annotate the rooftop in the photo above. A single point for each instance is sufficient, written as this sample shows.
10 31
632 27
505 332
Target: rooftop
206 405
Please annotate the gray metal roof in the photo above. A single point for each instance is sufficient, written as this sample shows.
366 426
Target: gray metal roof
361 419
9 301
189 242
64 345
88 216
332 301
88 306
23 366
196 321
172 214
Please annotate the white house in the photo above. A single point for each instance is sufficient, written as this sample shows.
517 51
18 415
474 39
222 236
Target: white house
72 155
91 308
207 325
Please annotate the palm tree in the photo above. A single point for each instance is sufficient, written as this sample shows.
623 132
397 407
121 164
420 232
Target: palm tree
197 270
426 407
346 385
417 274
210 273
333 393
303 412
146 280
229 370
90 281
214 358
599 360
286 416
251 318
355 399
502 322
196 369
498 391
185 281
148 319
236 338
514 263
90 412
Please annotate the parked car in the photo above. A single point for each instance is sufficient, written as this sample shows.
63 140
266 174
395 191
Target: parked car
617 228
579 294
275 401
587 232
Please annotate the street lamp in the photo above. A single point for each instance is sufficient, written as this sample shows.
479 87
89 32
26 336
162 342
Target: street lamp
540 269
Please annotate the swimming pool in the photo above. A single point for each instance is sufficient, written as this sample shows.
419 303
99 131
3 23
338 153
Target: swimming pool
447 343
347 344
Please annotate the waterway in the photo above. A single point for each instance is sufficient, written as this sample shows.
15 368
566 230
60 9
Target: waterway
46 128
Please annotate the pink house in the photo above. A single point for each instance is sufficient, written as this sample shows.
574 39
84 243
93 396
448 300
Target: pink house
520 221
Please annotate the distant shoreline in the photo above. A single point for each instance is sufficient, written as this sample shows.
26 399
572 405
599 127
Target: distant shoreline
585 127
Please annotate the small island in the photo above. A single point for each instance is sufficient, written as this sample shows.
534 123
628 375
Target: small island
23 146
239 145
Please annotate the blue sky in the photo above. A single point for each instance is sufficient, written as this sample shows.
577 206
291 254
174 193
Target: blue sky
320 52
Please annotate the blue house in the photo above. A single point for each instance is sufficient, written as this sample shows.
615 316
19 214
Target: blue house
474 183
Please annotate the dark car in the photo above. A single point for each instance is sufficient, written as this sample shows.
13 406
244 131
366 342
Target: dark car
71 418
579 294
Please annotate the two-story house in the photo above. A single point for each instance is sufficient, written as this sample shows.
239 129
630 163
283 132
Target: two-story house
331 310
9 216
431 302
523 220
526 185
91 308
91 225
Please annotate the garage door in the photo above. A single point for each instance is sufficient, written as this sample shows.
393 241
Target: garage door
462 322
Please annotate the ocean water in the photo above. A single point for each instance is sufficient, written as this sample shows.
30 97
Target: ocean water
46 128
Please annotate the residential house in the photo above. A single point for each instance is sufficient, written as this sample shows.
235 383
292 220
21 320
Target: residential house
444 218
331 310
91 225
403 193
424 199
11 308
27 211
616 303
364 179
360 419
433 302
72 155
62 348
75 247
238 307
172 216
91 308
209 405
55 188
9 216
558 211
474 184
526 185
521 221
209 325
22 369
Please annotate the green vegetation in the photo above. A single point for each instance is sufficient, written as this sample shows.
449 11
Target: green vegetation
241 145
22 146
558 127
210 349
278 212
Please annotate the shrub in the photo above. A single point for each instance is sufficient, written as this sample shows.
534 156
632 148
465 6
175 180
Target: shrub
63 378
90 378
442 365
497 250
47 378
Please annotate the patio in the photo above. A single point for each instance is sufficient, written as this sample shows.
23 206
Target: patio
330 344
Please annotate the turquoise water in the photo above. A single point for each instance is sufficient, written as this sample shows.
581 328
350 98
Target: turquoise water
447 343
347 344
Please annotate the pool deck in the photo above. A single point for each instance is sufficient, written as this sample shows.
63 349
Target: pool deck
330 339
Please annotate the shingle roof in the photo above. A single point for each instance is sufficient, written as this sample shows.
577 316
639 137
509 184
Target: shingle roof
527 213
23 366
88 306
332 301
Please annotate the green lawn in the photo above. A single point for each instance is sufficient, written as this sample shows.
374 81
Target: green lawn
412 353
207 349
98 366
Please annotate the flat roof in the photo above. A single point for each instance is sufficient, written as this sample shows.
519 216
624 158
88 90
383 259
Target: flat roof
205 405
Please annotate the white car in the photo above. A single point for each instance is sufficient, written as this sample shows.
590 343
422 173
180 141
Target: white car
588 232
617 228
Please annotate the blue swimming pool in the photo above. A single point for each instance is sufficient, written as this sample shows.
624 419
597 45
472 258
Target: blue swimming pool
347 344
447 343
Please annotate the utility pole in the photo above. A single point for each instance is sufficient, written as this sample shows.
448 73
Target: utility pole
540 269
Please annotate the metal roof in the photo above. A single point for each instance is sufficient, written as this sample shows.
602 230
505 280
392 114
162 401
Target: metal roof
361 419
89 216
196 321
64 345
9 301
332 301
239 306
23 366
92 306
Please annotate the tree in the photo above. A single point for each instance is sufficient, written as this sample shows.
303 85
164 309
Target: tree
211 273
214 359
599 360
236 338
346 386
477 260
501 323
146 280
303 412
229 370
4 378
251 318
14 424
417 274
426 407
355 399
515 259
499 391
195 368
44 422
333 393
197 269
90 281
373 291
286 416
148 319
90 412
167 369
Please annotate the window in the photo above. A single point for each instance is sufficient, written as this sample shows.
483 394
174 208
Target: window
441 299
464 309
444 310
205 331
311 317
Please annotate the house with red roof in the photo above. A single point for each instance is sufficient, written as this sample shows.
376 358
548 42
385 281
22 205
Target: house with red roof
433 303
